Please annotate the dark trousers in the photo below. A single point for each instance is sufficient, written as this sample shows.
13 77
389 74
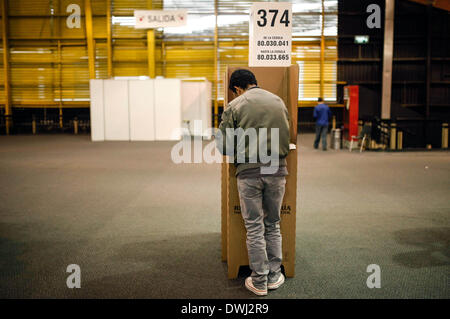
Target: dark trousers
321 132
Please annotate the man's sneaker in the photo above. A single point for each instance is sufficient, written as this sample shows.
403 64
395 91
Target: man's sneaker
256 291
276 284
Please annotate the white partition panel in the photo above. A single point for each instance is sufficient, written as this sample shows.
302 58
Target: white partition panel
190 104
123 110
117 126
96 109
142 110
196 106
167 109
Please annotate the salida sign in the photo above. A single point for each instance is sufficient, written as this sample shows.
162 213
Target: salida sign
148 19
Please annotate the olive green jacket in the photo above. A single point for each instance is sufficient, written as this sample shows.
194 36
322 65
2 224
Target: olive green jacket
255 109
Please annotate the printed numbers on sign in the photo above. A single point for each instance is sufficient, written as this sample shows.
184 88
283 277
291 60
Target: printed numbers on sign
263 16
272 43
272 57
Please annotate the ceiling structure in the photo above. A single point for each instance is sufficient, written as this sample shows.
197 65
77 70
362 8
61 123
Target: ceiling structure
440 4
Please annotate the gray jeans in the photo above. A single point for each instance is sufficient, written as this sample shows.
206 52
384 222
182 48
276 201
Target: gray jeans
261 200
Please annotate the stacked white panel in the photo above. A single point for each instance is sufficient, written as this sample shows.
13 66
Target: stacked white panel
147 110
167 109
189 105
142 110
97 112
196 107
117 125
205 108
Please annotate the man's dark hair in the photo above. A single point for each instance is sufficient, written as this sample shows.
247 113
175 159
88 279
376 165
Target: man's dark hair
242 79
320 99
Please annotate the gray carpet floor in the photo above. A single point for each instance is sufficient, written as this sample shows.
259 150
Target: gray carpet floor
140 226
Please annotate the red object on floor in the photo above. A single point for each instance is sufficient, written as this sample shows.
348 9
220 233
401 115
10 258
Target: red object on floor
351 100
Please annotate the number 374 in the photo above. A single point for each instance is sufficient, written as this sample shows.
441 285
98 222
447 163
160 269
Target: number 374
262 21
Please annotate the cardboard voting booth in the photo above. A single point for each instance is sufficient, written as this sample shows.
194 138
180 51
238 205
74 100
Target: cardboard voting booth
282 81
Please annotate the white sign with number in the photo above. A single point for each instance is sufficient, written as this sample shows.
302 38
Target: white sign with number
270 39
147 19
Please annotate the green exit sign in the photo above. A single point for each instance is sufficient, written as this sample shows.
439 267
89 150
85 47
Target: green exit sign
361 39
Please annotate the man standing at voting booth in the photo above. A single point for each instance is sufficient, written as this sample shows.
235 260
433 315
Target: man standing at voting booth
262 118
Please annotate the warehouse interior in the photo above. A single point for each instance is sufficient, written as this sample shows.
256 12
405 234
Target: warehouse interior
141 226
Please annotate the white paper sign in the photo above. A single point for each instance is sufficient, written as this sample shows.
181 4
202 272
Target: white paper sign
270 36
148 19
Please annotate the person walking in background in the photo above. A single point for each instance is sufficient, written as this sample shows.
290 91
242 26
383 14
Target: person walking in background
322 114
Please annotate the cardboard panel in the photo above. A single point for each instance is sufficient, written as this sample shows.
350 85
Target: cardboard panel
284 83
142 110
237 254
289 215
224 208
224 186
117 126
96 110
167 109
292 102
236 234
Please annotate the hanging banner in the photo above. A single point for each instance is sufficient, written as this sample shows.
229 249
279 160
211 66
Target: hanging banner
270 34
150 19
